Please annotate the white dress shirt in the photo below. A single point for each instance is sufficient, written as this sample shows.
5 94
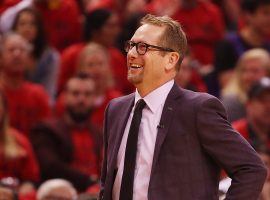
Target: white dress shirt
146 142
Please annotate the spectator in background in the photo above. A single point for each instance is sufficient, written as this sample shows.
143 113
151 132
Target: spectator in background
204 26
7 193
255 127
44 60
69 146
62 17
231 13
56 189
252 66
101 26
254 34
130 25
188 77
94 61
27 102
18 166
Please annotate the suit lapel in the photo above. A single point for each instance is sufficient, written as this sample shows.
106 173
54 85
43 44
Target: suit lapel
165 121
124 111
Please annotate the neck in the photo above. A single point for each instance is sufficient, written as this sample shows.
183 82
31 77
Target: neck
252 36
12 81
145 89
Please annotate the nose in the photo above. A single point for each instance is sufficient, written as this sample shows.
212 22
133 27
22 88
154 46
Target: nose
132 52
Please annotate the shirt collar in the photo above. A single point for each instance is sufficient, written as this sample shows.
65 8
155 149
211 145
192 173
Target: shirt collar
157 97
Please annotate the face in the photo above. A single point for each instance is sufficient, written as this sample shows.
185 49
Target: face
259 109
261 20
14 55
110 30
80 97
26 26
148 70
252 71
97 66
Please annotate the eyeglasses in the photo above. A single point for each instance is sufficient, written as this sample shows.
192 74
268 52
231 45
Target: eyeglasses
142 47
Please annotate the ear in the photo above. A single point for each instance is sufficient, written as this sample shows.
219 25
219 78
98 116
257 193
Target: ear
173 58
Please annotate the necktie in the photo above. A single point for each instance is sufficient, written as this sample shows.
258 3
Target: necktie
126 191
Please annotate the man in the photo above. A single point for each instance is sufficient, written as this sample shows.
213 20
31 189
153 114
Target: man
184 137
256 126
69 147
27 102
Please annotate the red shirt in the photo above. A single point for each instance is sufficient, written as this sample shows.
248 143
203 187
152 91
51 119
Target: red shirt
84 158
62 21
27 105
204 26
24 167
243 128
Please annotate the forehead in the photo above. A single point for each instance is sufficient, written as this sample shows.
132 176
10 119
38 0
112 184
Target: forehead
254 62
148 33
80 84
15 41
94 55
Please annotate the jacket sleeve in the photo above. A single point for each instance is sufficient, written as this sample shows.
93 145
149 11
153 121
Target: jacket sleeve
230 150
104 163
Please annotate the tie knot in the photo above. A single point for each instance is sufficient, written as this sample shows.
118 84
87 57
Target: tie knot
140 104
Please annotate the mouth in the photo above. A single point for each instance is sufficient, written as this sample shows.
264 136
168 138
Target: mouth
135 66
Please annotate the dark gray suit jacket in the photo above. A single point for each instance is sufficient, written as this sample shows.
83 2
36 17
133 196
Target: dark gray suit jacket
194 142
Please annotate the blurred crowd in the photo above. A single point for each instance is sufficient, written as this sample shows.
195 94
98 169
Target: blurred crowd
62 61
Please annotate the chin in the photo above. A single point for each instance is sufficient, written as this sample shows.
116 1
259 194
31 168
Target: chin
135 80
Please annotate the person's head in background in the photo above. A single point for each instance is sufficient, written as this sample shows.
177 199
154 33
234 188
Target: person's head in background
256 14
56 189
258 105
101 26
15 52
131 23
183 78
79 98
28 23
94 61
251 66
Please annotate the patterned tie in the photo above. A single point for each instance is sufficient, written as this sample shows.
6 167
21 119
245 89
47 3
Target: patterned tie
126 191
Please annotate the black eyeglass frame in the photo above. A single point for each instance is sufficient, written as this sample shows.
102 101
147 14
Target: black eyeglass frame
130 44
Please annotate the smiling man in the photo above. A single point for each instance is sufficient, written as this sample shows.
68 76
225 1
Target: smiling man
165 142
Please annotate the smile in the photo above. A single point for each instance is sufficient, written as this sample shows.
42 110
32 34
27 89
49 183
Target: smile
135 66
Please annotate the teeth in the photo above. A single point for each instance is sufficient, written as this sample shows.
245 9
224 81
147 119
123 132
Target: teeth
135 66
